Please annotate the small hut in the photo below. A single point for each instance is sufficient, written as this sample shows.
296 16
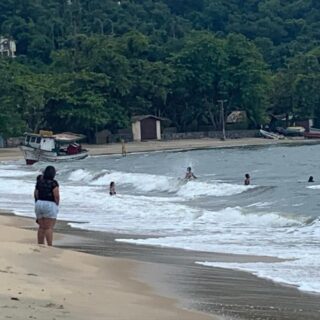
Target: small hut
237 120
146 127
102 136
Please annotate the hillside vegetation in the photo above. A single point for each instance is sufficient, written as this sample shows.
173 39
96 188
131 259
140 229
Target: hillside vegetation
86 65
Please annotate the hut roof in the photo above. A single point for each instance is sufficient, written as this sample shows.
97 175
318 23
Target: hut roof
237 116
142 117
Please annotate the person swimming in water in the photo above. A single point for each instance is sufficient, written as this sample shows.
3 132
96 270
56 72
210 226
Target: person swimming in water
247 179
311 179
112 190
189 174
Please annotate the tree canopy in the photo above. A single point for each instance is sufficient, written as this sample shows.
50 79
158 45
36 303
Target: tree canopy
85 65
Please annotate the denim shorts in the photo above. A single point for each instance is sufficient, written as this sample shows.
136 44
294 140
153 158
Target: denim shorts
46 209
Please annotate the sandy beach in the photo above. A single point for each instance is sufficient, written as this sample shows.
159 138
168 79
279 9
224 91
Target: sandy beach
38 282
170 145
123 281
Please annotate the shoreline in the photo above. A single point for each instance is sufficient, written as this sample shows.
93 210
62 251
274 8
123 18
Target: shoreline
191 144
216 291
172 273
7 154
40 282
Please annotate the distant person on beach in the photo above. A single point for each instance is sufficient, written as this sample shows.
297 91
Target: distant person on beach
311 179
123 148
189 174
112 190
47 198
247 179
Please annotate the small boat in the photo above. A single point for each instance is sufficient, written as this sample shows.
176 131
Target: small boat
271 135
48 147
295 131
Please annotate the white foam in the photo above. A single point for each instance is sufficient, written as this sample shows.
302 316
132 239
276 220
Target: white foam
184 189
10 173
155 206
314 187
297 273
80 175
197 189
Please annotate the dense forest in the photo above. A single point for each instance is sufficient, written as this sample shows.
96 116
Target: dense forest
85 65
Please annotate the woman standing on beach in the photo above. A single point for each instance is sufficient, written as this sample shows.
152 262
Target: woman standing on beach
46 207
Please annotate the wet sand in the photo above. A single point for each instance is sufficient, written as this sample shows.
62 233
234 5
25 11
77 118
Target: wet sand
173 273
39 282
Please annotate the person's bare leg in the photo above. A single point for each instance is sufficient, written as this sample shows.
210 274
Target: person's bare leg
49 230
49 236
41 232
41 235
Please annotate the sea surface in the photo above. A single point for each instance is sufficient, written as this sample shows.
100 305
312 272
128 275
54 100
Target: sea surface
277 216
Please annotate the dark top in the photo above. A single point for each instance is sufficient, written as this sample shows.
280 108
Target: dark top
45 189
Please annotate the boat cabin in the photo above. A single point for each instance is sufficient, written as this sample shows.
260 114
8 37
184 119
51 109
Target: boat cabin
62 144
40 142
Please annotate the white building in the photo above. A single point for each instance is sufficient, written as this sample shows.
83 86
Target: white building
7 47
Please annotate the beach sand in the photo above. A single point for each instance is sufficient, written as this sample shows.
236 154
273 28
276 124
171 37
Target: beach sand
39 282
170 145
142 275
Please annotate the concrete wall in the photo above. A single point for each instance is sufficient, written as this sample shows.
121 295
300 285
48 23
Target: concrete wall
136 131
230 134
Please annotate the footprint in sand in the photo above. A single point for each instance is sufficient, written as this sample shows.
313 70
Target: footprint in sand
15 299
54 306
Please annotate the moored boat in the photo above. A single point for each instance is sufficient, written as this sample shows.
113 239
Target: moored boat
48 147
270 135
295 131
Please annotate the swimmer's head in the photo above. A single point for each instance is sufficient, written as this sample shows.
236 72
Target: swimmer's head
189 169
247 176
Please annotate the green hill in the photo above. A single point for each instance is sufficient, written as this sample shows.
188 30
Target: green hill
86 65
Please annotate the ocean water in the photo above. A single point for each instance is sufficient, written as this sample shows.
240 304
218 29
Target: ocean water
277 216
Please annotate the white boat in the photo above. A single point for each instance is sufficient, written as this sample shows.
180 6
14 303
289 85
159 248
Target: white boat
48 147
295 131
270 135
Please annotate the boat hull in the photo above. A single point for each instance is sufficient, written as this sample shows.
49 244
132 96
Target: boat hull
33 155
312 135
270 135
63 158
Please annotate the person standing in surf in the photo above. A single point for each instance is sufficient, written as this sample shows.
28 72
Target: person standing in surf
123 148
47 198
247 179
112 189
189 174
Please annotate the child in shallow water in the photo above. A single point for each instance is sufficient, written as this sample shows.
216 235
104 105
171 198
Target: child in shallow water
112 190
311 179
247 179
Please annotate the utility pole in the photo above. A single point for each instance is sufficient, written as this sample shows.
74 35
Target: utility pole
222 102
